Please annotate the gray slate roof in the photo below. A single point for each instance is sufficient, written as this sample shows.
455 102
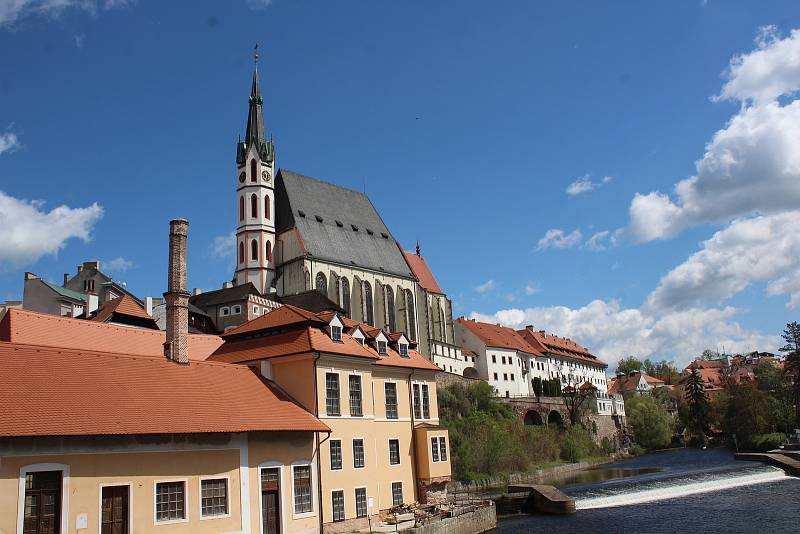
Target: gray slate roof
337 224
223 296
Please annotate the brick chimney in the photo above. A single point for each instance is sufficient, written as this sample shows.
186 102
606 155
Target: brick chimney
176 347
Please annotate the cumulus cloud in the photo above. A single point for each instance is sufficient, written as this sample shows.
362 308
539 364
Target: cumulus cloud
258 4
12 11
752 165
117 265
224 247
612 332
485 287
558 238
8 142
27 232
531 288
584 184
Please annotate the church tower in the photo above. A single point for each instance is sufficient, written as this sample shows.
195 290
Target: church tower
255 198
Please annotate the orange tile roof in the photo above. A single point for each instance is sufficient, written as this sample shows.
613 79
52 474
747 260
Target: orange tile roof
124 305
549 343
628 383
494 335
420 268
25 326
286 315
49 391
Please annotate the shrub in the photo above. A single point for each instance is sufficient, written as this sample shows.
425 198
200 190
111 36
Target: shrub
766 442
577 444
652 425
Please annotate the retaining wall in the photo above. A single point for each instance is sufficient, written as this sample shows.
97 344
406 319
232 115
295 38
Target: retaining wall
481 520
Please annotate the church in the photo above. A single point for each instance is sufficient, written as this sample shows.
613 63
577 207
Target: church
297 234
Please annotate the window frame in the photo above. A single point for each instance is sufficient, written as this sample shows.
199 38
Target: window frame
336 334
185 519
395 414
226 478
426 402
236 310
24 471
341 455
329 399
360 395
309 513
435 449
443 453
402 496
417 398
402 348
363 453
382 347
366 501
333 506
399 457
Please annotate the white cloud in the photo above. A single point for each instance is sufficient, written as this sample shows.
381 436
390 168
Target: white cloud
258 4
80 39
118 265
27 232
584 184
531 288
12 11
224 247
485 287
752 165
604 239
9 142
612 332
763 248
557 238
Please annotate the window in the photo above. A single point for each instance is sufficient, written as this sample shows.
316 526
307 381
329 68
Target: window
390 309
254 250
256 310
411 319
505 376
266 207
332 394
358 453
337 499
394 452
253 170
241 208
443 449
504 360
403 349
236 310
494 358
214 497
426 403
368 304
241 252
336 454
381 347
336 333
512 376
170 501
253 206
495 376
397 493
302 488
361 502
321 284
269 251
390 392
417 402
435 449
355 396
346 296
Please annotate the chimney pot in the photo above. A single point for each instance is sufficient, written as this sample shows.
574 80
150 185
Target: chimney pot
30 276
197 291
176 346
66 278
227 285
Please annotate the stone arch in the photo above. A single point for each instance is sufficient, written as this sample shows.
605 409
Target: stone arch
554 418
471 372
532 417
321 283
333 288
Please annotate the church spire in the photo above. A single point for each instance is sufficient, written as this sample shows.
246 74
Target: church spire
255 134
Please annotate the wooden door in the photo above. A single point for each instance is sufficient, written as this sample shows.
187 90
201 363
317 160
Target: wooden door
114 510
42 513
270 501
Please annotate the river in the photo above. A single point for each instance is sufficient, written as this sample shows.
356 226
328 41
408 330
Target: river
684 490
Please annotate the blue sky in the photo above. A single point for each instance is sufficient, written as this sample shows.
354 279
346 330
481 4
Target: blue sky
466 122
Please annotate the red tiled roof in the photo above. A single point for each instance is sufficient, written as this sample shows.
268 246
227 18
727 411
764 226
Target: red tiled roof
124 305
286 315
25 326
628 383
420 268
494 335
549 343
49 391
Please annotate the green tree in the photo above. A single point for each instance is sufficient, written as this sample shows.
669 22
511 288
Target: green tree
652 425
697 404
791 336
629 364
747 414
537 386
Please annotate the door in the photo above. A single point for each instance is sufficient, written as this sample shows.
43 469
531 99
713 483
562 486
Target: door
270 501
42 514
114 510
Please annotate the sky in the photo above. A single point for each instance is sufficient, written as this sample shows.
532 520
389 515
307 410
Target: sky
626 174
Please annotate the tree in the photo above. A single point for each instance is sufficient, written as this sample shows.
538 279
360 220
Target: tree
652 425
747 415
697 403
576 399
537 386
663 370
629 364
791 335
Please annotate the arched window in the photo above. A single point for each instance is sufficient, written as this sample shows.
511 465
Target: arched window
254 250
266 207
253 206
241 208
335 286
321 284
441 322
253 170
346 296
390 308
368 304
241 252
307 280
269 251
410 319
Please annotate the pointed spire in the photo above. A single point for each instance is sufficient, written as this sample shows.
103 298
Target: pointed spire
418 249
255 117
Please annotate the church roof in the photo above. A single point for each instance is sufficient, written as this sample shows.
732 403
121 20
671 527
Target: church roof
420 268
337 224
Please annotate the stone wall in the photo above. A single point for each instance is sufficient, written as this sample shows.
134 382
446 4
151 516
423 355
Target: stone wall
533 477
606 426
445 379
480 520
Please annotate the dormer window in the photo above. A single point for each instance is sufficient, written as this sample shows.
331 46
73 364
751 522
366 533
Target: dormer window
336 333
381 347
403 349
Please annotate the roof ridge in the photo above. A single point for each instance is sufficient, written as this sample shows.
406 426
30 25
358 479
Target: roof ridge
324 182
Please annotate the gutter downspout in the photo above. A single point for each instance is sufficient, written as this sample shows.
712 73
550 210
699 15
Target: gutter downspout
413 437
319 443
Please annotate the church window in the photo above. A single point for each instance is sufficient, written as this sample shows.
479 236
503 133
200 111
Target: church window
253 206
346 296
254 250
241 208
368 304
390 309
321 284
241 252
269 251
253 170
411 320
266 207
335 289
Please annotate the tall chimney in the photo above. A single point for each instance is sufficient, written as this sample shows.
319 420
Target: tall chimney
176 346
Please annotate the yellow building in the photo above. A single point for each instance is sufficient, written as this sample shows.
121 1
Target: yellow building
374 391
